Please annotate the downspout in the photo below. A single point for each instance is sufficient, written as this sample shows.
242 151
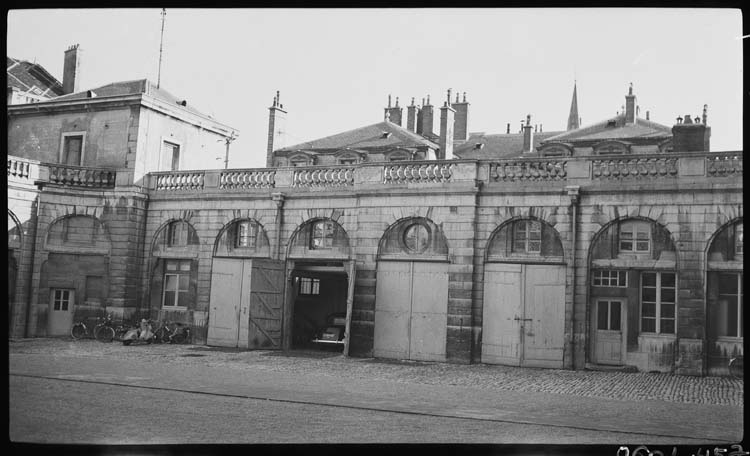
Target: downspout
573 193
278 198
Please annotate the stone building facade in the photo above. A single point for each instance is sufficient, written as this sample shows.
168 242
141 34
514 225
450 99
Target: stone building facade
569 261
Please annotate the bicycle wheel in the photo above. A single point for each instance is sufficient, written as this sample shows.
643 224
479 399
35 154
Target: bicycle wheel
78 331
119 332
736 369
161 336
178 338
104 334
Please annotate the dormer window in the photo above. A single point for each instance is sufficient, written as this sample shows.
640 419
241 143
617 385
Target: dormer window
635 237
399 155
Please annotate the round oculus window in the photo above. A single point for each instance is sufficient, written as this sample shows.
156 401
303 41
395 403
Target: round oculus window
417 238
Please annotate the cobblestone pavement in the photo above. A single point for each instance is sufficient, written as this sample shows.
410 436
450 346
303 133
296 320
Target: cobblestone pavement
608 385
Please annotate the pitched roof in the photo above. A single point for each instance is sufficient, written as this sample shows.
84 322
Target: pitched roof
497 145
380 135
131 88
616 128
26 76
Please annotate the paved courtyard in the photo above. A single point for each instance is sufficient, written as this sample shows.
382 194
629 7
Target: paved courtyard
596 384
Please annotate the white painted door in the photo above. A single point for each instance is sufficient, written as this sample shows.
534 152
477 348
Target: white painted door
523 320
544 322
429 306
411 302
226 302
60 314
609 321
392 310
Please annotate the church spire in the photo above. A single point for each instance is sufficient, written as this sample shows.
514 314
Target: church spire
573 119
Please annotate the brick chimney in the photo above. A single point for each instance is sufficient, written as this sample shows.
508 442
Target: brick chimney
71 69
630 106
428 122
446 129
276 128
412 115
461 126
692 136
393 113
528 136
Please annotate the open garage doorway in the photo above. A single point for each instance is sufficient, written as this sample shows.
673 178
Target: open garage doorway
319 299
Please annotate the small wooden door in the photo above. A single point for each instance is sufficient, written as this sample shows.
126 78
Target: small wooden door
523 320
411 310
609 320
227 277
61 307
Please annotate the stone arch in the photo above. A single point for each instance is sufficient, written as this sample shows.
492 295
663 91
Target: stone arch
15 232
414 237
598 250
226 243
500 245
162 243
319 237
723 235
78 232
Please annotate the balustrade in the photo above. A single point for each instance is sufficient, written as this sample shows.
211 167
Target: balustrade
528 170
189 180
634 168
724 165
18 168
323 177
247 178
404 173
78 176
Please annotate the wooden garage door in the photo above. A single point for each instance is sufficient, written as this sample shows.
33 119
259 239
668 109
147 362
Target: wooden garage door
411 310
225 301
523 320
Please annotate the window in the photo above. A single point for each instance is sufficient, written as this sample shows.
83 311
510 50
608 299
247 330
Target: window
72 149
738 239
322 235
729 315
245 234
348 161
608 278
416 238
177 234
399 156
176 283
608 315
62 299
658 302
635 237
297 162
309 286
527 236
171 156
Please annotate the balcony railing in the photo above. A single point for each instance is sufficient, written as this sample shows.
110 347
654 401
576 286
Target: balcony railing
179 180
634 167
247 178
419 172
528 170
19 168
725 164
323 177
79 176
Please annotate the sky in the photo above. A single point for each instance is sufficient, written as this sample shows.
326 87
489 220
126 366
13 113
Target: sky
335 68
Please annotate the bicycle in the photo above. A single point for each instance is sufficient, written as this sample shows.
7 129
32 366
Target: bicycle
103 331
736 369
173 333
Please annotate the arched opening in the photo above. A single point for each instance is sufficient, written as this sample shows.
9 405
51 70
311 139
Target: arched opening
411 295
75 277
633 284
523 316
725 297
321 287
246 289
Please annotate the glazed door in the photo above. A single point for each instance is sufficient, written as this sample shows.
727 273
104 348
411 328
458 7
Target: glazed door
60 315
544 316
503 310
609 345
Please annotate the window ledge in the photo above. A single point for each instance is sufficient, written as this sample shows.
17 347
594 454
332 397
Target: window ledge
174 308
657 335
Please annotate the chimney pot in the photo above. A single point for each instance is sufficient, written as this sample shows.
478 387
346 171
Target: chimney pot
397 102
705 114
688 119
464 97
507 132
648 115
71 69
456 97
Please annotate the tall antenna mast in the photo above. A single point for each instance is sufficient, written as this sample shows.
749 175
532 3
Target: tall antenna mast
161 43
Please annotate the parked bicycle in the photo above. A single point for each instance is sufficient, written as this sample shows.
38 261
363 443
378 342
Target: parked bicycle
103 330
736 369
172 333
